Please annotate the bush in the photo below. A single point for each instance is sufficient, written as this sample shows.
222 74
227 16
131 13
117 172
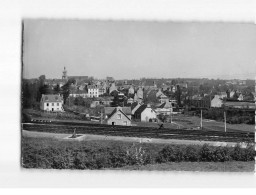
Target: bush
191 154
55 154
247 154
167 154
222 154
207 153
138 156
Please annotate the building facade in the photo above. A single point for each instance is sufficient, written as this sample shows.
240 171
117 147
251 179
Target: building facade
118 116
51 103
93 91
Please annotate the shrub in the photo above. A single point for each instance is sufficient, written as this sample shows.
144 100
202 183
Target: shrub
246 154
167 154
222 154
138 156
206 153
191 154
53 154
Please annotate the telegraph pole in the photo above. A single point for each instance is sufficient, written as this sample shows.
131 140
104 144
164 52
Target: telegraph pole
171 117
201 119
101 116
225 123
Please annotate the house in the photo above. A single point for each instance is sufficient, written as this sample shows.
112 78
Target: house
52 103
165 108
130 101
251 96
163 98
118 117
131 90
135 106
145 113
138 96
104 101
173 102
159 93
93 91
78 93
223 95
240 97
140 93
217 101
112 88
112 115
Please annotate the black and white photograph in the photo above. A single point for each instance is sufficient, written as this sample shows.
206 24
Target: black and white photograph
128 96
138 95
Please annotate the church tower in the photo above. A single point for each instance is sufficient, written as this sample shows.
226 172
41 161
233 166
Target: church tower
65 76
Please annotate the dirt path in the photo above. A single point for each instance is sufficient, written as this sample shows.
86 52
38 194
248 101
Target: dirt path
88 137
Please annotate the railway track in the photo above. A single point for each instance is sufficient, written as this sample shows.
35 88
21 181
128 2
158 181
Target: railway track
141 132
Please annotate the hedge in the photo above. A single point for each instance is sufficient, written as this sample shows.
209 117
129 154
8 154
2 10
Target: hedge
68 155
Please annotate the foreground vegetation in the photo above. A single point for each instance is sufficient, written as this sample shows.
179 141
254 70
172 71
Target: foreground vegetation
48 153
230 166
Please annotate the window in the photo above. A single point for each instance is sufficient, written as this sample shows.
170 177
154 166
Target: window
57 104
47 104
52 104
118 116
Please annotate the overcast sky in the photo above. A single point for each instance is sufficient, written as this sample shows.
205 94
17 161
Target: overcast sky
135 49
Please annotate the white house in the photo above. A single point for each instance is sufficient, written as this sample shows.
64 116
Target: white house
93 91
216 101
52 103
145 113
118 117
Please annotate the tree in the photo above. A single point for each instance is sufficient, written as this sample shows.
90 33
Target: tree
66 89
178 95
57 89
45 89
26 96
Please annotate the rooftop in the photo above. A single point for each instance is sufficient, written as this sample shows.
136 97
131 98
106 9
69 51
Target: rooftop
51 98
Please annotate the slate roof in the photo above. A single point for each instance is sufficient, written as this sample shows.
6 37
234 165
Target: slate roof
116 110
109 110
140 109
165 105
51 98
134 105
92 87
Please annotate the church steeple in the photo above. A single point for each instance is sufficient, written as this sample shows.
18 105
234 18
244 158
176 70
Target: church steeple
65 76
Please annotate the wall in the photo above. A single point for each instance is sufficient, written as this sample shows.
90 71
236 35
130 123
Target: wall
118 121
147 114
216 102
44 106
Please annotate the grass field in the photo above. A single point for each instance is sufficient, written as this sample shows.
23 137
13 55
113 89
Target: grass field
179 121
233 166
194 121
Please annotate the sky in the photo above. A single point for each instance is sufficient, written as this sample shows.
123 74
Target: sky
136 49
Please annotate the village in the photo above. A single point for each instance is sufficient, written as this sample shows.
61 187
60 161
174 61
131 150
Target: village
125 102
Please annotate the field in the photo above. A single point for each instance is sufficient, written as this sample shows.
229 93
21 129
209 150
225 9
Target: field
194 121
235 166
141 132
179 121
